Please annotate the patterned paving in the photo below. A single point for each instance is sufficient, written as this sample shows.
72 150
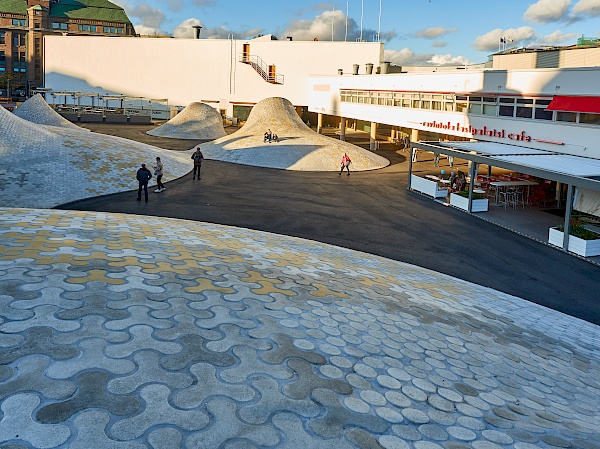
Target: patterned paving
120 331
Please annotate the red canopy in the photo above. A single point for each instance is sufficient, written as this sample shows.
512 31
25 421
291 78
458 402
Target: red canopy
575 104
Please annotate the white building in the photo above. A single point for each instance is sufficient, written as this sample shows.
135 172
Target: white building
223 73
556 110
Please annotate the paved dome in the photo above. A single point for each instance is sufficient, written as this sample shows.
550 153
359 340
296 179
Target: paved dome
48 165
36 110
127 331
299 148
196 121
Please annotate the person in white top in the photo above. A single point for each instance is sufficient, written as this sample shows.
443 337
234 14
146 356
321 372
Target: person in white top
158 171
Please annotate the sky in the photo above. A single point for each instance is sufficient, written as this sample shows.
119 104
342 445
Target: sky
415 32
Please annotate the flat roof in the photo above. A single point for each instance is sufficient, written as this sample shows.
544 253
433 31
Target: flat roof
566 168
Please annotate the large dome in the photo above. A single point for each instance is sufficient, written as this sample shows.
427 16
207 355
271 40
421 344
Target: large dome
36 110
299 147
196 121
50 165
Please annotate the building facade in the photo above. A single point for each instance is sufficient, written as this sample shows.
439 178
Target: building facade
547 109
228 74
24 23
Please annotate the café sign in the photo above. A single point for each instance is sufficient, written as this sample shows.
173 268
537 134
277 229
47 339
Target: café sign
484 131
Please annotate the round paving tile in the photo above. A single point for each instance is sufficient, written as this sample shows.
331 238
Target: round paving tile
461 433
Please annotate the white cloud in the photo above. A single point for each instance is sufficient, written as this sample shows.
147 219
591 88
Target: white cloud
490 40
589 7
185 31
143 30
434 32
150 16
439 44
547 11
320 27
406 57
558 37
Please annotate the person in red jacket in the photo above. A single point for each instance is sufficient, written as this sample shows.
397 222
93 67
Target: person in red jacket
345 164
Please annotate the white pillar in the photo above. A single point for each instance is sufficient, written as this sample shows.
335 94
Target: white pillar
343 128
373 139
320 123
414 137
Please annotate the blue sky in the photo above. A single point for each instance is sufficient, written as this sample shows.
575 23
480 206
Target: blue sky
415 32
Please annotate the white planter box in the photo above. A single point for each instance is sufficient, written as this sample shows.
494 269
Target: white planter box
427 187
463 203
585 248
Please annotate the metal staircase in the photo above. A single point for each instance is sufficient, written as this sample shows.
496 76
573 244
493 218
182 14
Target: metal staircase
261 68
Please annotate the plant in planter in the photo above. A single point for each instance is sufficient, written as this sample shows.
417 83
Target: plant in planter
461 200
582 241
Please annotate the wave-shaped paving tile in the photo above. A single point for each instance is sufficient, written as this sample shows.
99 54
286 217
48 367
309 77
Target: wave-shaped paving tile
44 166
196 121
328 346
299 147
36 110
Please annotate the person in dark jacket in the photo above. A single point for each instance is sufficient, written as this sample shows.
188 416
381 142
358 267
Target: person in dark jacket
143 176
198 157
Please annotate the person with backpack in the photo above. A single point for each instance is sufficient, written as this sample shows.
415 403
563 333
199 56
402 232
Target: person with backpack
198 157
345 164
143 176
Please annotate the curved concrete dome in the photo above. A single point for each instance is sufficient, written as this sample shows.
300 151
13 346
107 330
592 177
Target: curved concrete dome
124 331
299 148
48 165
196 121
36 110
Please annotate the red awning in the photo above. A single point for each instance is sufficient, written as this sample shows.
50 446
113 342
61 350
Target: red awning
575 104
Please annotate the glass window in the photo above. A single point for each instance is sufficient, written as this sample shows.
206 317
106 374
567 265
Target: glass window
406 102
93 28
505 111
120 30
524 112
474 99
489 100
106 29
566 117
542 114
504 100
461 106
589 119
449 106
2 37
524 101
55 25
18 22
436 105
489 109
113 30
475 108
542 102
64 26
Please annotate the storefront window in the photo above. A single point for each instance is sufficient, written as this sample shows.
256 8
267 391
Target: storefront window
589 119
566 117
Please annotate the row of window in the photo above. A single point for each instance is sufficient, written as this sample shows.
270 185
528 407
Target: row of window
97 28
19 22
524 108
18 39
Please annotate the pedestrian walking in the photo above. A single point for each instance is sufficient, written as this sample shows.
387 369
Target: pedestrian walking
158 171
345 164
143 176
198 157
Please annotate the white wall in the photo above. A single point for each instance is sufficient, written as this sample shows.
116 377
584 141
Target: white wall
186 70
576 139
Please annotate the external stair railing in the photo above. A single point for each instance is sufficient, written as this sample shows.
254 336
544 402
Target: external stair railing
267 72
